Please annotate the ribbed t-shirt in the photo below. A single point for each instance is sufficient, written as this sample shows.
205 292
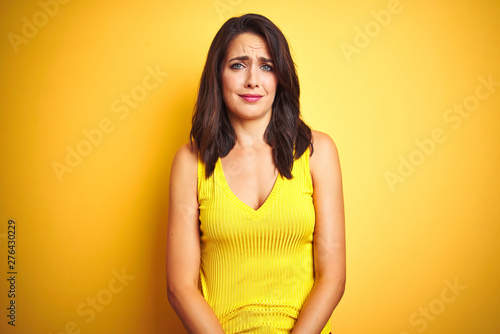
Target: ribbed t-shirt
257 265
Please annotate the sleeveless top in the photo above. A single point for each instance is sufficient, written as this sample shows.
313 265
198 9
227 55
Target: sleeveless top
257 265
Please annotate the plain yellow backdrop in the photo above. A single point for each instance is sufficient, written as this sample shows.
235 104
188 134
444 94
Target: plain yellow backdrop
97 96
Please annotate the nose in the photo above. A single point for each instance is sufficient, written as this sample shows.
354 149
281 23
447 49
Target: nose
252 80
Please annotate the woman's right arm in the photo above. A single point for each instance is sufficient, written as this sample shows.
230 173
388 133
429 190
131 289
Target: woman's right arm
183 247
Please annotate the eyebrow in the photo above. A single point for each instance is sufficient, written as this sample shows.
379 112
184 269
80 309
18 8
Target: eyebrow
264 59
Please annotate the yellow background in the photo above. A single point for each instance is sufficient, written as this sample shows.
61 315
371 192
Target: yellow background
405 241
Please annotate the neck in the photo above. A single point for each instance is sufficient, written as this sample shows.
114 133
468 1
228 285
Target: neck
249 132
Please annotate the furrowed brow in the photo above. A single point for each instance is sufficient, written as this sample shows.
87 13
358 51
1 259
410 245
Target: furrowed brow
241 58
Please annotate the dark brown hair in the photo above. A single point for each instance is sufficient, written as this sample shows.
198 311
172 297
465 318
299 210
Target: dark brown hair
211 130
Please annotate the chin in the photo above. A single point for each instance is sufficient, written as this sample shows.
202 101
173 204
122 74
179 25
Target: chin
250 114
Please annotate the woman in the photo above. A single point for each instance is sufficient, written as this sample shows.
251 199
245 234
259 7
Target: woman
256 222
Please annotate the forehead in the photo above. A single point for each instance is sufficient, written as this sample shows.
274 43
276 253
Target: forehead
247 44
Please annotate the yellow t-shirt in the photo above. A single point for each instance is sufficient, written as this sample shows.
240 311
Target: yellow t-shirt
257 265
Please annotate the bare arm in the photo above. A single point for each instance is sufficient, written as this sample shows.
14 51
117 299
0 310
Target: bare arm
183 247
329 238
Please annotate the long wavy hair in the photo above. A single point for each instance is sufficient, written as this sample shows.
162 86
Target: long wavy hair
286 132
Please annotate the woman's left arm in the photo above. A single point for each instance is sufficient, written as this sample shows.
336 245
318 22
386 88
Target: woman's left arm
329 237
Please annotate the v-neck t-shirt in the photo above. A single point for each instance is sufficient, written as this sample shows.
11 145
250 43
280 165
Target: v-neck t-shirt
257 265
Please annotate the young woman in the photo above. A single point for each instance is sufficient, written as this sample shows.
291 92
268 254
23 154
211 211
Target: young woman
256 237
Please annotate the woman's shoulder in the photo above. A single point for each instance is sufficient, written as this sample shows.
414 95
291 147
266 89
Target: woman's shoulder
324 151
322 142
187 152
185 160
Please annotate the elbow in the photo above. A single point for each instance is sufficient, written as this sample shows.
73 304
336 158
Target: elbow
170 291
335 284
176 293
172 294
341 285
339 282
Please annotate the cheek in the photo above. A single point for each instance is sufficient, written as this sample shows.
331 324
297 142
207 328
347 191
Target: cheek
228 82
226 89
272 84
224 83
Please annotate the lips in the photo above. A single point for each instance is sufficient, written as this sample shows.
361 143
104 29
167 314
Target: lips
251 97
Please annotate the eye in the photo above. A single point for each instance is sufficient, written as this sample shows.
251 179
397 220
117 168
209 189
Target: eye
267 67
236 66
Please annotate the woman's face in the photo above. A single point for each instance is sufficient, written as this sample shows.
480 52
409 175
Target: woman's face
248 79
